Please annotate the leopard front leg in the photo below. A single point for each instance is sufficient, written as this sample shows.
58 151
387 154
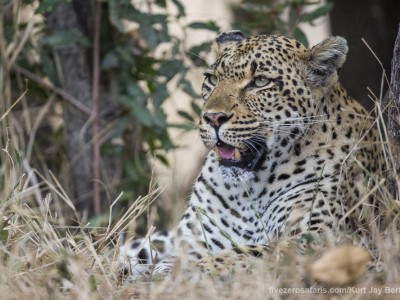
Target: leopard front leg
148 255
223 266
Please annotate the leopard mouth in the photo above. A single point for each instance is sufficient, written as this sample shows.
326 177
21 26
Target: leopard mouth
247 158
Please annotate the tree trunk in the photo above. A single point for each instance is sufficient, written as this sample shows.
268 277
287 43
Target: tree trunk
394 117
77 81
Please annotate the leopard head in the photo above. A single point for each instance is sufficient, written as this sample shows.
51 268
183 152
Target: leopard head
263 92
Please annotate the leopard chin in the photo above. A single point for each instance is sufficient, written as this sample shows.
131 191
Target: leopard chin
248 158
235 175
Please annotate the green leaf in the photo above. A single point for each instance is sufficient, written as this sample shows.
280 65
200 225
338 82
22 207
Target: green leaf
186 127
166 142
111 149
293 15
136 92
114 16
300 36
170 68
188 89
163 159
319 12
139 112
185 115
124 55
157 18
161 3
142 115
46 6
162 32
150 35
180 7
196 108
159 119
194 53
110 61
159 94
175 48
48 65
209 25
62 38
256 8
121 9
206 46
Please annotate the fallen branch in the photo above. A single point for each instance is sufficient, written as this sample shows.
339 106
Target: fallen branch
50 86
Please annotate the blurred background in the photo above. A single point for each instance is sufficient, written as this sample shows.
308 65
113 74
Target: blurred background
99 100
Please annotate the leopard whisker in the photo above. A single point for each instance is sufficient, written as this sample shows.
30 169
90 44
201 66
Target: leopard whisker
287 123
302 134
322 117
251 147
259 142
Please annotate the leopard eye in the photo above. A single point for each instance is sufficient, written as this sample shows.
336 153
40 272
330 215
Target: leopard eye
261 81
212 79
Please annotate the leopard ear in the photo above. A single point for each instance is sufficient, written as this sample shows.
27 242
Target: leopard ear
324 60
225 40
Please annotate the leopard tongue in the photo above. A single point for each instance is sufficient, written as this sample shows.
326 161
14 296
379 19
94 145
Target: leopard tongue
228 152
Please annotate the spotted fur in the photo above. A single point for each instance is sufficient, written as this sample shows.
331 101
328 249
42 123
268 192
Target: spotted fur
313 147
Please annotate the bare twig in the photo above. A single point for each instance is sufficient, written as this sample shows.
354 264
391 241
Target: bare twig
12 106
377 59
95 112
14 52
50 86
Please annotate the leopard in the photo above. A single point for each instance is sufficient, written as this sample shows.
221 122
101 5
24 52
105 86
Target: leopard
289 153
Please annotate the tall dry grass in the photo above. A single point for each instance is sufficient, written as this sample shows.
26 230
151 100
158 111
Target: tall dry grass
42 257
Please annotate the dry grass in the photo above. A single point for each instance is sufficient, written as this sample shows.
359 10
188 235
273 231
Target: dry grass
43 258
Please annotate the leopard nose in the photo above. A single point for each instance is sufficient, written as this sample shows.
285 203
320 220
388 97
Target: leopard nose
215 119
